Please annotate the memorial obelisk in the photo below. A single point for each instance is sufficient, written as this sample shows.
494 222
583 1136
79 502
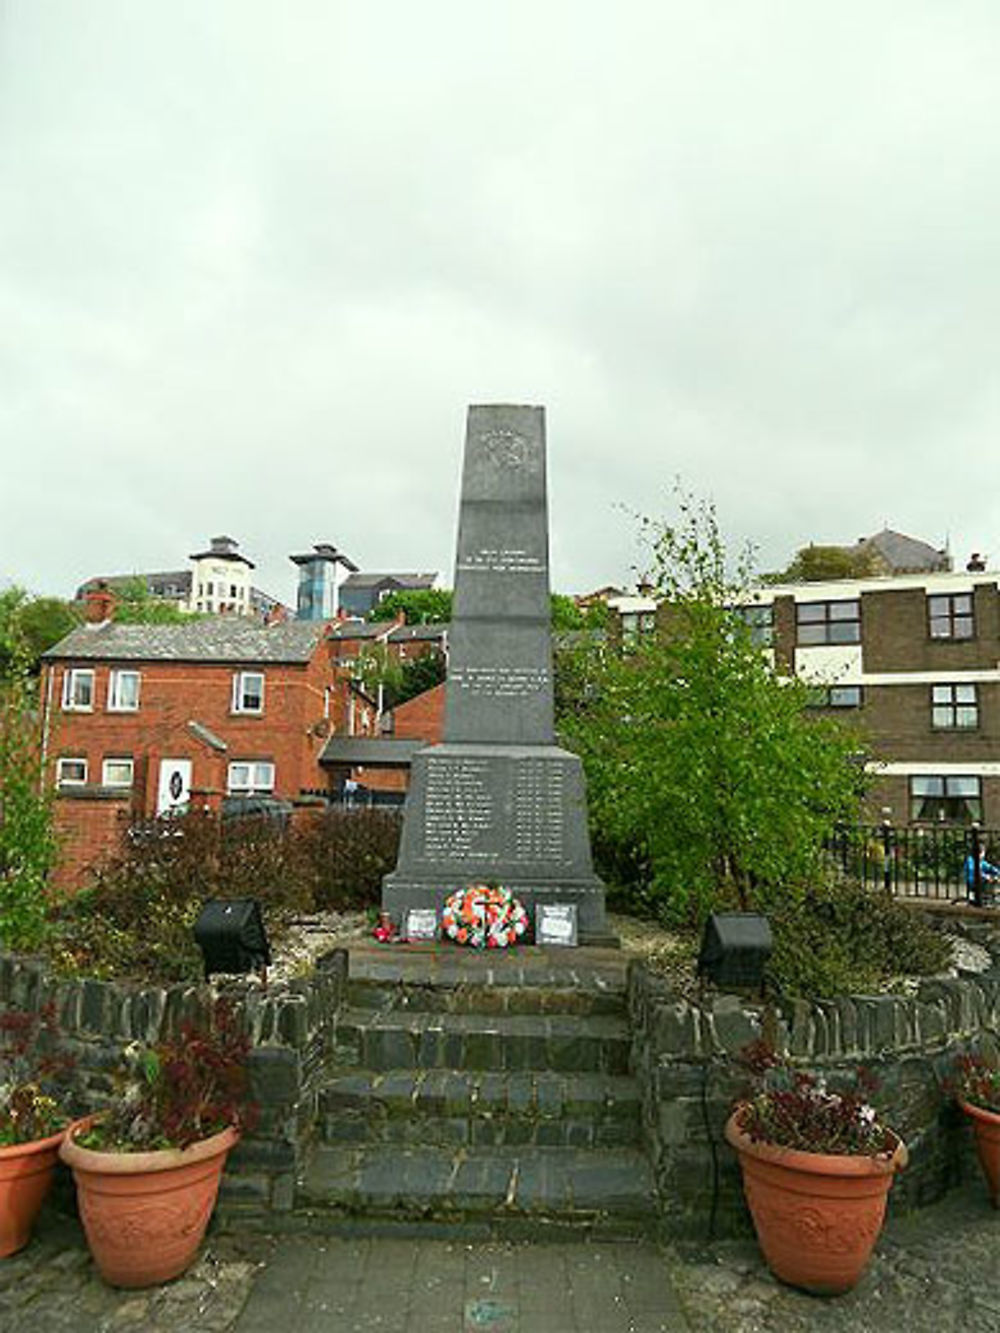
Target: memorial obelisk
498 801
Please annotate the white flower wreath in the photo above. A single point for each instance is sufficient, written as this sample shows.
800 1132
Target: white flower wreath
484 916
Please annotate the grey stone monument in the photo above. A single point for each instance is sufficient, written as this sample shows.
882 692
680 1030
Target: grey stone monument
498 800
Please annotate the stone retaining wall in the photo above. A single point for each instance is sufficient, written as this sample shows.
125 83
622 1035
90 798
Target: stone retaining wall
683 1055
289 1025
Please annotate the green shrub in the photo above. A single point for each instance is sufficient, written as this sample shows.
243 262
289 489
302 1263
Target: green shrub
350 851
28 844
135 919
843 938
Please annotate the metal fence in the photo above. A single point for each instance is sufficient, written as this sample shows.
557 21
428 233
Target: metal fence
945 863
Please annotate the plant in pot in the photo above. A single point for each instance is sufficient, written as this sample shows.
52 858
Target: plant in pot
32 1119
977 1089
147 1171
817 1167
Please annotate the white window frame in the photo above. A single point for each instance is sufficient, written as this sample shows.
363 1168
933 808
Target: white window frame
240 692
833 621
259 780
62 780
955 707
121 759
943 788
70 677
114 702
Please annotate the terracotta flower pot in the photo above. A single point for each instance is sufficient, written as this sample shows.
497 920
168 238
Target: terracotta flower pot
817 1216
986 1125
145 1213
26 1171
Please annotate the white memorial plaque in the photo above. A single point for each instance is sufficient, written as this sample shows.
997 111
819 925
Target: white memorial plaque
555 923
421 924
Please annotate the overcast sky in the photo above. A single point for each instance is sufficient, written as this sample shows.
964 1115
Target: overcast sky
257 256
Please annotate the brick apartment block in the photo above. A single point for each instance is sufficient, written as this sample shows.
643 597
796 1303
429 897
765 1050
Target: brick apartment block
914 660
139 720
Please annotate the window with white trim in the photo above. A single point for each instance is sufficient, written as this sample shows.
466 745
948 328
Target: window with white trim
759 620
78 690
117 773
834 696
946 800
951 616
954 707
827 622
123 692
71 772
248 692
250 777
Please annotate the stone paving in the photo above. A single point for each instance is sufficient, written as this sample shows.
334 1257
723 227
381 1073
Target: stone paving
935 1271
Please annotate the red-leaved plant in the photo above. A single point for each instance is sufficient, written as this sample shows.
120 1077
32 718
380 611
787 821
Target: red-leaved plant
181 1090
32 1076
789 1108
977 1081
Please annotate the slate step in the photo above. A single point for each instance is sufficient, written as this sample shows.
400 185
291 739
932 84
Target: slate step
468 997
608 1192
450 1107
399 1039
445 978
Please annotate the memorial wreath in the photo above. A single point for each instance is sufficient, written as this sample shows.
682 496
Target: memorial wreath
484 916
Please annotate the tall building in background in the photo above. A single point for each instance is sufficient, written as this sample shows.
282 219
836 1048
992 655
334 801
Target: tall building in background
218 583
322 572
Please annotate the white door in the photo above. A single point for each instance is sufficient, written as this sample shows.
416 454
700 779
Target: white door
174 789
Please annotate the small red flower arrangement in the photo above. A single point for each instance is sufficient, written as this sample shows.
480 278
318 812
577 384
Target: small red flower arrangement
977 1081
181 1090
32 1076
790 1108
385 931
484 916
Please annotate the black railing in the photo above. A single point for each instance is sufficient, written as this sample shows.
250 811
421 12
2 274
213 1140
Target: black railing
366 798
941 862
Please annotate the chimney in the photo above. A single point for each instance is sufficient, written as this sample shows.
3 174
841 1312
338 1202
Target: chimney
276 616
99 604
976 563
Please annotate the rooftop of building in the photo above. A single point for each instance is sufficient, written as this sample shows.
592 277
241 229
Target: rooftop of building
904 554
324 551
212 639
408 581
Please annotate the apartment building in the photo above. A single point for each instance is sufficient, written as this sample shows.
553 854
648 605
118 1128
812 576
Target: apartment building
218 582
914 661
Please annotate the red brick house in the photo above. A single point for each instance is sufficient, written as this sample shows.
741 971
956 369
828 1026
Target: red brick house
380 762
140 720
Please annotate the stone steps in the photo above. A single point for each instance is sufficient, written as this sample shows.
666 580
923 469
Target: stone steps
480 1095
446 979
383 1040
502 1191
466 997
445 1107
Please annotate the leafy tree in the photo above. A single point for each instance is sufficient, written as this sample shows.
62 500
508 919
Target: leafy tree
708 781
421 606
432 606
29 625
417 675
816 564
28 845
136 605
567 616
400 680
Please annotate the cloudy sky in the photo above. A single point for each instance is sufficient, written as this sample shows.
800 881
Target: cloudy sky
257 256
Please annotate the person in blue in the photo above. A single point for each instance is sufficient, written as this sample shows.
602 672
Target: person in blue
988 874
